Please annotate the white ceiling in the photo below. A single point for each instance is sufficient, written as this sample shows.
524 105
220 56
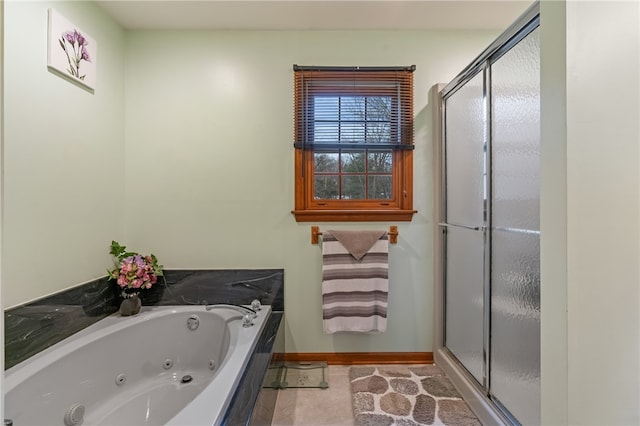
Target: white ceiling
315 15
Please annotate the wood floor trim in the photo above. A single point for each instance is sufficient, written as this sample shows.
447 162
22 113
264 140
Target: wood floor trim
361 358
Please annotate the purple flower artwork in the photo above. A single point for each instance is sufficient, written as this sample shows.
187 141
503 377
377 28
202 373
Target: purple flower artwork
74 45
71 52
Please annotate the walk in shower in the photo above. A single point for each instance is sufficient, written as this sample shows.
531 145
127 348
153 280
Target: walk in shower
487 267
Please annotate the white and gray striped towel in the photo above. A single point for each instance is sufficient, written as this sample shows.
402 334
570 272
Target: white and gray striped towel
355 288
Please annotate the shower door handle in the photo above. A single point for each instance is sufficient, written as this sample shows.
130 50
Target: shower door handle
455 225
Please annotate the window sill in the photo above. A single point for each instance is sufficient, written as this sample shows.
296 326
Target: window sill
354 215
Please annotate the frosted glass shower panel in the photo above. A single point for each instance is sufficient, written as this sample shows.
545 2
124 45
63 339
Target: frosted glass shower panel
515 107
515 323
465 153
464 298
515 240
491 280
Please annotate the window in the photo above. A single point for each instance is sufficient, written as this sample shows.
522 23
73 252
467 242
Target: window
353 144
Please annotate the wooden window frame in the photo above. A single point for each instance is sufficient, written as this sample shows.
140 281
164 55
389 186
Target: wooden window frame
397 208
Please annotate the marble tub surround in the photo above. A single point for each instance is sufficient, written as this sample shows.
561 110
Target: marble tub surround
35 326
256 384
237 286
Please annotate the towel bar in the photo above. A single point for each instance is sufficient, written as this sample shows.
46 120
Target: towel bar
393 234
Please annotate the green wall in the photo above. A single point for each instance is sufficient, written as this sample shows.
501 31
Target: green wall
209 163
185 150
590 213
63 155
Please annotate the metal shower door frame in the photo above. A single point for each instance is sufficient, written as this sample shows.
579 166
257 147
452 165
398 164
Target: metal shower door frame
478 395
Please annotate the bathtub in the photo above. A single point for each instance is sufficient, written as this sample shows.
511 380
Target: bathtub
148 369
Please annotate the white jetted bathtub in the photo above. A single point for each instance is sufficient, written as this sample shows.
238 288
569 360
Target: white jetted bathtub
154 368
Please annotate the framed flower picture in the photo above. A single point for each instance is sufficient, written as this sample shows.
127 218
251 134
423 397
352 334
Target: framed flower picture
71 52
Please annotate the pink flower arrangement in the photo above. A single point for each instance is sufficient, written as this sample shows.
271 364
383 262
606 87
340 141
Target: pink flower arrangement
134 271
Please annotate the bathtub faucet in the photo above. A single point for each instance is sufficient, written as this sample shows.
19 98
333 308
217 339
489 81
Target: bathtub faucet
248 314
239 308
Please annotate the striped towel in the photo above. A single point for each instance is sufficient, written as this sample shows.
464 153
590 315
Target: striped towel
354 288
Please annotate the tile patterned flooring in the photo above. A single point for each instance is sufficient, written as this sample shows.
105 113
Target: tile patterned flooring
317 407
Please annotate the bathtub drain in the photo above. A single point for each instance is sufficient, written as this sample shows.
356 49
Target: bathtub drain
193 322
186 379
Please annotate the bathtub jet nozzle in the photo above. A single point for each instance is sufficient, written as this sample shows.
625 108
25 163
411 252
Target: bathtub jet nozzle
74 415
186 378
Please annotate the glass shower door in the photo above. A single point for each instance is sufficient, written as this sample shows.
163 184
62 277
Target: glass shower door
491 231
515 231
465 240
